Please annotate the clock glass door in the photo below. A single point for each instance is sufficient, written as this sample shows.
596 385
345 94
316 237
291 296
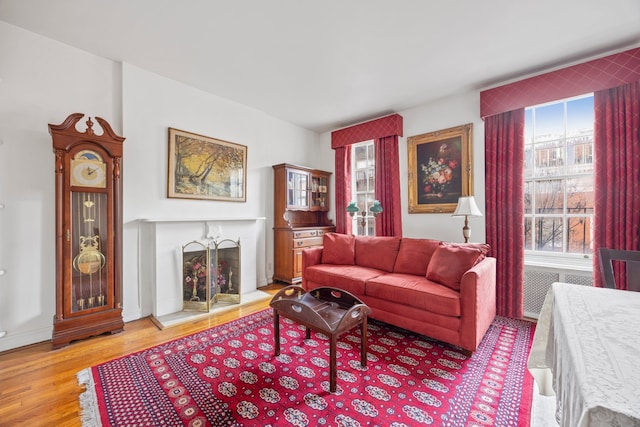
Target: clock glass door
89 284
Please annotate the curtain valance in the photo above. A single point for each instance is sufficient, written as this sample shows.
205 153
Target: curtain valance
604 73
374 129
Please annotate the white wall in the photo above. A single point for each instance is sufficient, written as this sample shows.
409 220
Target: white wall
43 81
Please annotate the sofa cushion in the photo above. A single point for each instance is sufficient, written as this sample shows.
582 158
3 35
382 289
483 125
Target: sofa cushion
414 255
450 262
377 252
350 278
415 291
338 249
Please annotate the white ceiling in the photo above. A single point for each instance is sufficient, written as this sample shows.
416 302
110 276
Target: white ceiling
327 64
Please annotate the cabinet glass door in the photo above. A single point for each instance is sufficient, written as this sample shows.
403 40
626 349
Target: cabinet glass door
297 189
318 192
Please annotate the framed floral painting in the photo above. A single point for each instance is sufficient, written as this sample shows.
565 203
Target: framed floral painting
439 169
201 167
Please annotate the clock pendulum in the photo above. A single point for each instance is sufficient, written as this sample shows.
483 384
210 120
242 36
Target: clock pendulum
89 259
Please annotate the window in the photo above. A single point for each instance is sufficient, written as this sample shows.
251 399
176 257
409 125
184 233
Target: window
364 183
559 177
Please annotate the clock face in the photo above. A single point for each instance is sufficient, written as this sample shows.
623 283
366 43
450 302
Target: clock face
88 170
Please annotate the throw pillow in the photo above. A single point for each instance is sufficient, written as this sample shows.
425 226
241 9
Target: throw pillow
414 256
450 262
482 247
378 252
338 249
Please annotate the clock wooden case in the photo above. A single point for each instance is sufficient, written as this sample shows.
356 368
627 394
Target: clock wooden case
88 230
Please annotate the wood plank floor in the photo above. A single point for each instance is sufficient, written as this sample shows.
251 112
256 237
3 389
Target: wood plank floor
38 385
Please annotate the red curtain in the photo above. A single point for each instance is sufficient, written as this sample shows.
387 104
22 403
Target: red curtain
343 188
389 223
617 172
504 192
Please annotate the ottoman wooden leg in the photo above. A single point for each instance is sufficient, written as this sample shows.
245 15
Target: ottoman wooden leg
276 332
332 364
363 343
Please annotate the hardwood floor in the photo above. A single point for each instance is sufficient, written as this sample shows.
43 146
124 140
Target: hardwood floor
38 385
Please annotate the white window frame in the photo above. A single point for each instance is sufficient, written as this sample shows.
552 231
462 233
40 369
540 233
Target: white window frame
369 193
562 260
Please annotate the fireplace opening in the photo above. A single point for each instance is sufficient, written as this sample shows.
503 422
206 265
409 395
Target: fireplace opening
211 274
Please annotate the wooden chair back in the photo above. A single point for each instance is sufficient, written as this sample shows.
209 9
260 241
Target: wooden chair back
629 260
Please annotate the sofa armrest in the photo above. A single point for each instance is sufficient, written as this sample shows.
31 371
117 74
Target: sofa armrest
310 256
477 302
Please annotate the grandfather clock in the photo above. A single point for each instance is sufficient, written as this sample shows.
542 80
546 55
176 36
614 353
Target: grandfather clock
88 230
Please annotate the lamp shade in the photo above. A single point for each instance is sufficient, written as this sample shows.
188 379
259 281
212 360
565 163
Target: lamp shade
467 206
352 208
376 207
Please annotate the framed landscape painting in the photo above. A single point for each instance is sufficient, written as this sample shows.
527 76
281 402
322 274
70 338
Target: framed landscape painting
206 168
439 169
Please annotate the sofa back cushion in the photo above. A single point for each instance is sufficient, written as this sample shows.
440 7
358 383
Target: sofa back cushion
377 252
338 249
450 261
414 256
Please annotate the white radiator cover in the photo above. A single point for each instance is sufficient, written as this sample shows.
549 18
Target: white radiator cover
538 280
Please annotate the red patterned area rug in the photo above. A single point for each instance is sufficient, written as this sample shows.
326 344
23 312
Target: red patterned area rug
229 376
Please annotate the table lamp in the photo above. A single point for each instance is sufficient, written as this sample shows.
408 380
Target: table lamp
466 207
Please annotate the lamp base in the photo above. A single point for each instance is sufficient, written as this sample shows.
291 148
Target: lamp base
466 231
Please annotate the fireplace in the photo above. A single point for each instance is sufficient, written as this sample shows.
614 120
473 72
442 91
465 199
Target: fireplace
161 265
211 274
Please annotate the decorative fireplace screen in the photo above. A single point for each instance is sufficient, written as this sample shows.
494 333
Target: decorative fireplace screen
210 274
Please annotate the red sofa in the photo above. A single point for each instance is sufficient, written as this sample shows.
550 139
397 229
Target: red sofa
446 291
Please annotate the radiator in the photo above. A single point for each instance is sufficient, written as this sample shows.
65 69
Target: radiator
538 280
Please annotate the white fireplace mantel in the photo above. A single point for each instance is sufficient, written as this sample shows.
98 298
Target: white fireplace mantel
203 219
160 251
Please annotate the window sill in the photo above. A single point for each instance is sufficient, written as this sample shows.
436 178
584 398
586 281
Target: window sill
574 262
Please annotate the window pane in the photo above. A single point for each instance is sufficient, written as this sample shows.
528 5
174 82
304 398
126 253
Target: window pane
549 197
528 161
361 180
549 122
580 116
361 157
370 156
528 194
527 234
549 234
549 159
580 195
580 154
528 126
579 235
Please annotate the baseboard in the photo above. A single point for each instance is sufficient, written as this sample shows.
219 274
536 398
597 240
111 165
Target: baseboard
12 341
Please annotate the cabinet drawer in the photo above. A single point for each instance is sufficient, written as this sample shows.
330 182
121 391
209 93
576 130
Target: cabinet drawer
300 234
309 241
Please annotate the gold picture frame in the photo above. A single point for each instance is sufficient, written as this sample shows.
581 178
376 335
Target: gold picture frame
439 169
201 167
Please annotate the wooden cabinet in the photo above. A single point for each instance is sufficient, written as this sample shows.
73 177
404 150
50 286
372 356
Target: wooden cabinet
301 206
88 230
